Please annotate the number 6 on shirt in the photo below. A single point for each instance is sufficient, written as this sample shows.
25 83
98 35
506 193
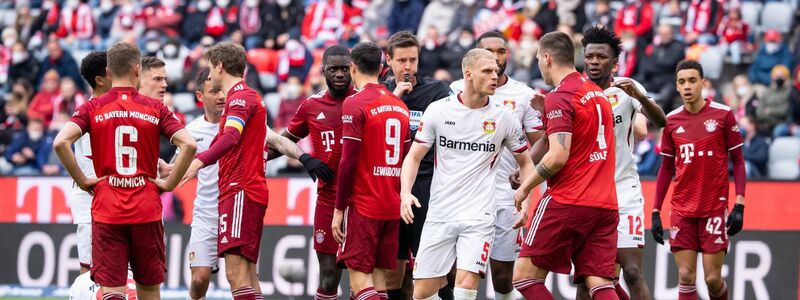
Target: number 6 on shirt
119 137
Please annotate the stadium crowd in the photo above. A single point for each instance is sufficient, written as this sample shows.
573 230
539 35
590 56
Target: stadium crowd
750 59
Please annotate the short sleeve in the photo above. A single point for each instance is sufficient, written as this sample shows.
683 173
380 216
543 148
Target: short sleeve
515 140
559 112
426 131
82 117
298 126
667 144
637 106
169 123
353 119
733 138
238 112
531 119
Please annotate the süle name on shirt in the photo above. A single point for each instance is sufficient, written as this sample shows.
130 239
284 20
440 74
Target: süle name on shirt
126 114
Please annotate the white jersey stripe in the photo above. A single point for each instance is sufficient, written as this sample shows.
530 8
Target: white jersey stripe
344 228
537 218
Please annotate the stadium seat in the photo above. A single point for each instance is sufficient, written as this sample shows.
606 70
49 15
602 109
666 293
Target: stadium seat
750 14
712 60
183 102
783 158
777 16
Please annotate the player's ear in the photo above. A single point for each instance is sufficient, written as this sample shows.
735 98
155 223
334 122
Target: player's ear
199 95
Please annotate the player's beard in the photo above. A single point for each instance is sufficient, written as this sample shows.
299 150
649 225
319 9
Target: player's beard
501 69
337 93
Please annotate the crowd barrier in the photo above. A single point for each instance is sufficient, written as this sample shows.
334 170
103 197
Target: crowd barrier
40 254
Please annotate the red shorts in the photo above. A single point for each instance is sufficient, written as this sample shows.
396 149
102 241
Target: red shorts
114 245
323 237
241 222
705 235
560 235
371 244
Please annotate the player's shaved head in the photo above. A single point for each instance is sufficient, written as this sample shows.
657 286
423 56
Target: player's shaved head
123 58
233 58
488 35
473 56
336 50
559 46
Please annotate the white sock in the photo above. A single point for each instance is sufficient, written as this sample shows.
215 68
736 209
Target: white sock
464 294
509 296
434 297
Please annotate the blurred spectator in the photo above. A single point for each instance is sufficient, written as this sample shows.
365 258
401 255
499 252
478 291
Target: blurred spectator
628 61
229 13
376 18
571 13
602 16
774 52
174 54
193 25
647 159
62 62
13 119
792 125
710 92
636 16
742 98
25 23
464 17
325 21
455 51
665 55
755 149
282 21
105 22
291 97
774 102
163 17
438 13
23 65
167 149
734 31
9 38
430 55
294 60
405 15
250 23
702 19
77 25
128 22
151 44
547 16
671 14
29 149
69 99
42 104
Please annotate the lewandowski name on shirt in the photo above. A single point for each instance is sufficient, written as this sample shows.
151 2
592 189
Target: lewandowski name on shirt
126 114
387 108
386 171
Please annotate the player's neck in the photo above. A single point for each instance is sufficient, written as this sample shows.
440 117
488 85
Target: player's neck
695 106
605 82
559 73
361 80
228 81
122 82
472 99
212 118
502 80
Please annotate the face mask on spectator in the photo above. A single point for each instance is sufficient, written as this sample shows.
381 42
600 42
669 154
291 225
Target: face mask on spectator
18 57
291 91
168 3
47 5
742 91
779 82
72 4
469 2
152 46
251 3
9 41
628 45
430 45
106 6
772 47
35 135
203 5
284 3
465 42
223 3
128 9
170 50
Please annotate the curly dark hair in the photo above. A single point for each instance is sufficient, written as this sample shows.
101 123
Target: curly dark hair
94 65
689 64
602 35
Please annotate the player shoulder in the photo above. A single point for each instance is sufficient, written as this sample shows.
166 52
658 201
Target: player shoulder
457 86
516 84
675 112
719 106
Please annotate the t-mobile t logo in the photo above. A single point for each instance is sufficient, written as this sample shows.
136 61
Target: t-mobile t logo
328 140
687 152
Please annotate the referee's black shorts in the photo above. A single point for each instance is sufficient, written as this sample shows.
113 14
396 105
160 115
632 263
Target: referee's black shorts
410 233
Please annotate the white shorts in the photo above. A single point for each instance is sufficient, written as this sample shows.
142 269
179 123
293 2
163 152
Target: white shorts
80 205
630 230
203 247
507 240
84 237
443 243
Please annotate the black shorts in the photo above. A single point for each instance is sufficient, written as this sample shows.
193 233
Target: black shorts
411 233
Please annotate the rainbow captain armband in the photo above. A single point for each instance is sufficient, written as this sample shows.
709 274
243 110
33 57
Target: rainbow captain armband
235 122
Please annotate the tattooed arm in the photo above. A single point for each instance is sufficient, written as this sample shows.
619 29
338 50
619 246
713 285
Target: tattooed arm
551 163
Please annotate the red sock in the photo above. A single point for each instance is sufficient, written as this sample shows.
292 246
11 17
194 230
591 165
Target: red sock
687 292
604 292
114 296
244 293
367 294
325 295
533 289
722 294
259 296
621 294
384 296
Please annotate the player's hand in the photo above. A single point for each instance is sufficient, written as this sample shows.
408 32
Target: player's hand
656 228
514 180
164 168
88 184
403 88
162 184
406 200
735 219
627 86
523 219
537 102
519 197
336 226
191 172
316 168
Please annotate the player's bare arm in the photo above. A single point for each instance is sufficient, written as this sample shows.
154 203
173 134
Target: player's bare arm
62 145
525 170
639 128
286 146
283 145
408 173
187 146
650 109
551 163
351 149
273 153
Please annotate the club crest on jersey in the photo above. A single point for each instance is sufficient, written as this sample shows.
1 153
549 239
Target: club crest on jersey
510 105
613 99
319 236
419 128
191 256
711 125
673 232
489 126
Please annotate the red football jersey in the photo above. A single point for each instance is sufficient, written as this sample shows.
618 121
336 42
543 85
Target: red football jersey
579 107
244 166
378 119
125 128
700 143
320 116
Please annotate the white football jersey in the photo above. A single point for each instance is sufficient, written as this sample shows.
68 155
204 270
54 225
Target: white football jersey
80 202
625 109
468 143
205 212
514 96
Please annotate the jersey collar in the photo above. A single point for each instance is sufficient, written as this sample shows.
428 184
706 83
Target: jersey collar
462 101
241 85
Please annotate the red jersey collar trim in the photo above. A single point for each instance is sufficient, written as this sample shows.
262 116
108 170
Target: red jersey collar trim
234 87
462 101
573 74
123 89
350 91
